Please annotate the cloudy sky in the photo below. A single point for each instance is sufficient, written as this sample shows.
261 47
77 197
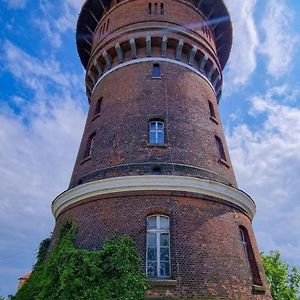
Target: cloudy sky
43 107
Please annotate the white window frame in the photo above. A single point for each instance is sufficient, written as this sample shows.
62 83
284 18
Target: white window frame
156 131
158 231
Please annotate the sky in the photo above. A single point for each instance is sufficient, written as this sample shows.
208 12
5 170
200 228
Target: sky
43 108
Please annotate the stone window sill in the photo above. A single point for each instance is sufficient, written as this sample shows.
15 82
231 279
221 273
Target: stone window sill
161 282
224 162
85 159
258 289
214 120
156 77
157 145
96 116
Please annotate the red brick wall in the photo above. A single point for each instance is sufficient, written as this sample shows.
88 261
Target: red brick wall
207 256
130 99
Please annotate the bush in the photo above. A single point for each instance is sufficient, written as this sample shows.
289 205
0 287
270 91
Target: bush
113 272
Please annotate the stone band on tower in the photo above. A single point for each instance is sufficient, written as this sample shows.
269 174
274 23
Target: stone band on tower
153 161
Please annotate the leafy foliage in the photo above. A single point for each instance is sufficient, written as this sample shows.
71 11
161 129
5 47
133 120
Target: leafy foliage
284 281
113 272
42 253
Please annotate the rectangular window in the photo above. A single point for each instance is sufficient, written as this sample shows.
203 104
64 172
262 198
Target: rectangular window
211 109
156 71
156 133
158 247
220 148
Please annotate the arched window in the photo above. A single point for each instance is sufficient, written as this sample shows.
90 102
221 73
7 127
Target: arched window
90 145
156 133
156 71
158 247
249 254
220 148
98 106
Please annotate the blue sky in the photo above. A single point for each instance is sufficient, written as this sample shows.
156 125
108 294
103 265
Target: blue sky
43 107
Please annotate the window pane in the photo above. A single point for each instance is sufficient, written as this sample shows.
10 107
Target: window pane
153 125
164 254
164 239
152 137
164 223
160 126
151 239
152 255
164 269
160 137
152 269
151 222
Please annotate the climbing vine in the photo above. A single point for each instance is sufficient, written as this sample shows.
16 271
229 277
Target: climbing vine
113 272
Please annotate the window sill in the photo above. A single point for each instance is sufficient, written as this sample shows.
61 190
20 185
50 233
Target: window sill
85 159
154 77
157 145
224 162
161 282
214 120
258 289
96 116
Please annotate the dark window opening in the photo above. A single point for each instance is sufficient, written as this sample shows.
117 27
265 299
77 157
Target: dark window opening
98 107
211 109
155 8
220 148
249 254
107 24
156 71
162 9
90 145
150 8
156 171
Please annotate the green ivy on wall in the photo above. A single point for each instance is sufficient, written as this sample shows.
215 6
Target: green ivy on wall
111 273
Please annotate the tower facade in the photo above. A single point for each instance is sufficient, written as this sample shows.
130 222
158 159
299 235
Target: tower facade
153 161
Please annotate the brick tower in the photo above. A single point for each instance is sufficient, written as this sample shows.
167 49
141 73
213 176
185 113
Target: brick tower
153 161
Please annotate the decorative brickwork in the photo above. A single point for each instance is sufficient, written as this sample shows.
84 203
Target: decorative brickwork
153 145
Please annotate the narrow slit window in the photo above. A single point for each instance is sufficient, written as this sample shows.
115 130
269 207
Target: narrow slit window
158 247
98 106
156 133
211 109
107 24
162 11
90 145
156 71
249 254
150 8
155 8
220 148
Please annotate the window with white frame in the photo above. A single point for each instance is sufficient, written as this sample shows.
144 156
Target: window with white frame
158 247
156 132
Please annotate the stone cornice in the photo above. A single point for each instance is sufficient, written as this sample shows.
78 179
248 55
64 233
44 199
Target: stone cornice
154 183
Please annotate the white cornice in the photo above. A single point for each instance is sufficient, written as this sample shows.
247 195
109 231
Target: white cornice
154 183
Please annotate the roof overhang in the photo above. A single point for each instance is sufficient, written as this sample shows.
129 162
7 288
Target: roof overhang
214 10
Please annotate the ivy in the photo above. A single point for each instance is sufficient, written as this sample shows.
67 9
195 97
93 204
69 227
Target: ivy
113 272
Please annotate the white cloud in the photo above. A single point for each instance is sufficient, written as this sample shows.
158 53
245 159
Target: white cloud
242 62
37 153
267 165
15 4
280 39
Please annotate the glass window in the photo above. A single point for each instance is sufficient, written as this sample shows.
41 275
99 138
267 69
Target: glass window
90 145
220 148
211 109
98 106
158 247
156 132
156 71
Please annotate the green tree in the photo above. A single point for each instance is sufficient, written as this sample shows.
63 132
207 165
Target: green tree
113 272
284 280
